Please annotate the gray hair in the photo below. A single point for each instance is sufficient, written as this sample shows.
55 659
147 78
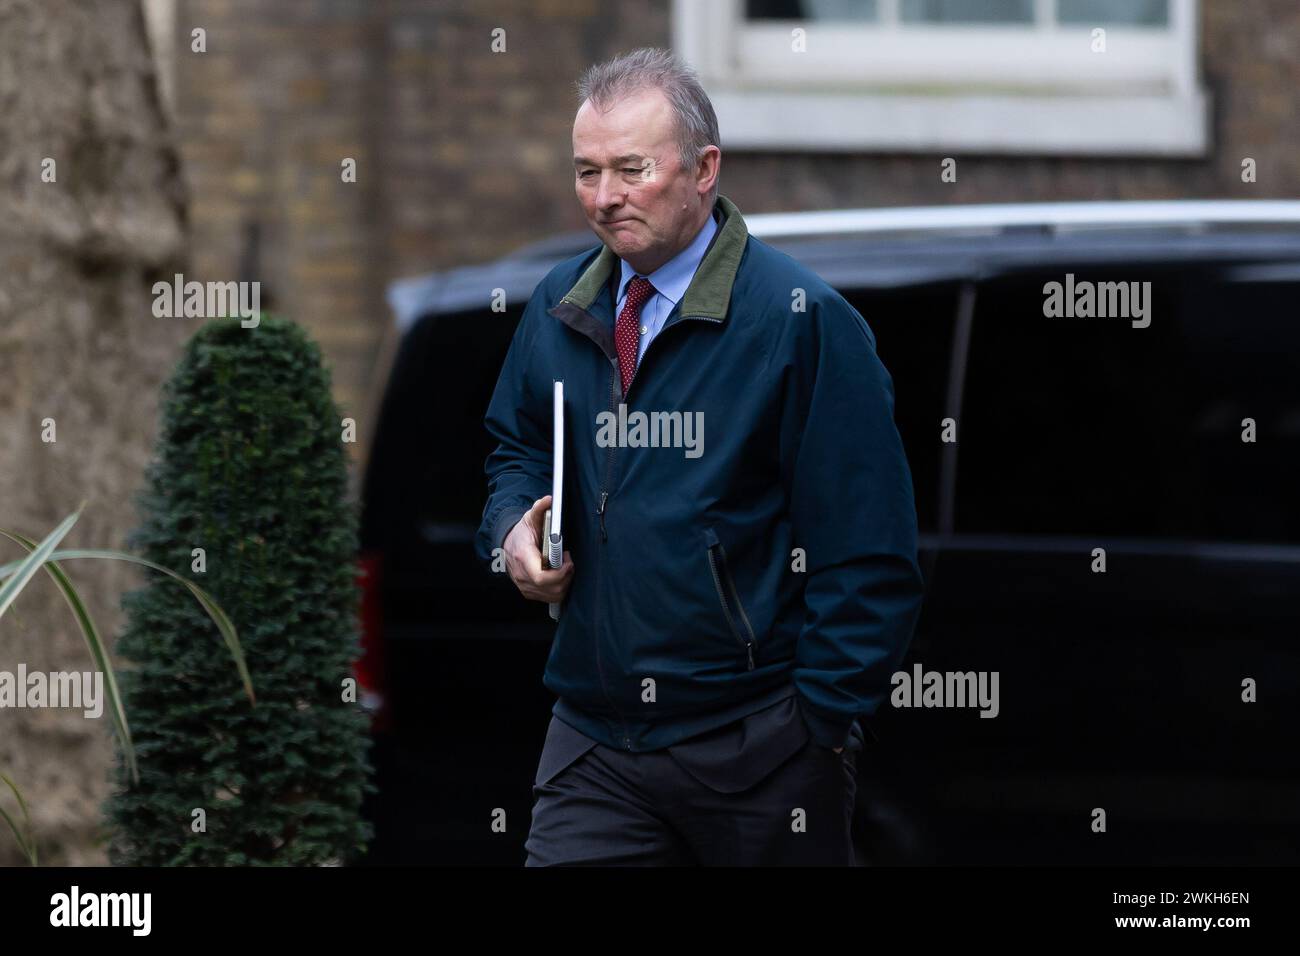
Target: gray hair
653 68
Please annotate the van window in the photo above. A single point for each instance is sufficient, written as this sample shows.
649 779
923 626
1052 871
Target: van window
1092 426
913 329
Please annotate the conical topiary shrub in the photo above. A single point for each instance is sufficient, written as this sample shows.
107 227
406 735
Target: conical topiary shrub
250 468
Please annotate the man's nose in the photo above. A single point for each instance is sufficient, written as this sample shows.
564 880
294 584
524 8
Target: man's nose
609 192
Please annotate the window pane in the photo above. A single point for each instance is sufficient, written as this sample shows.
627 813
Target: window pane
1089 426
1065 425
1241 348
968 11
1106 12
849 10
913 330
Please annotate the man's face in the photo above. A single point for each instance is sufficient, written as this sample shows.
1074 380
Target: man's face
629 179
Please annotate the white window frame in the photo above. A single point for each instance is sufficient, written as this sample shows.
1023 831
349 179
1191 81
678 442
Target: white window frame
160 27
1031 89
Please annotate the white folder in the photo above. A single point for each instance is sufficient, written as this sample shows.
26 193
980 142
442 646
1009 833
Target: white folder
552 531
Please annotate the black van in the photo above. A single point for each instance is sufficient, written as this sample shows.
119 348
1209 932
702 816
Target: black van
1110 518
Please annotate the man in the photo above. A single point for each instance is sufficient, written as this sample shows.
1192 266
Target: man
732 606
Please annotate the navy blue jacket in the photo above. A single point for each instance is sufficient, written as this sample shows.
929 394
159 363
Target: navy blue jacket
776 556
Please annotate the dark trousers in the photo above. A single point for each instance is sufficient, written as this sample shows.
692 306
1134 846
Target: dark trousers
759 792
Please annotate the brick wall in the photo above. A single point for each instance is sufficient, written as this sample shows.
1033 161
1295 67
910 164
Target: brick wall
465 154
284 92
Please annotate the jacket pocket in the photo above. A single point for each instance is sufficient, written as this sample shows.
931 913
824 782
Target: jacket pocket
728 597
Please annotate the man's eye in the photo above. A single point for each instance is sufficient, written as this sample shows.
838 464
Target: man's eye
585 173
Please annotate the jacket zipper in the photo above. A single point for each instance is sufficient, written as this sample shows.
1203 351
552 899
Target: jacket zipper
604 497
614 400
726 607
604 504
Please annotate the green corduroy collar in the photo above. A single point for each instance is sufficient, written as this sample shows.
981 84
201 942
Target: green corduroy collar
709 291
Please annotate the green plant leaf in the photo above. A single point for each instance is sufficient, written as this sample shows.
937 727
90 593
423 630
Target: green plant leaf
214 610
97 651
25 843
26 568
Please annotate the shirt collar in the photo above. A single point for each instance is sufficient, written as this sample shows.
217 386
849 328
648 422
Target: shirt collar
672 278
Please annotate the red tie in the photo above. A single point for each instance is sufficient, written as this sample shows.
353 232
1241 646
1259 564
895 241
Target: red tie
626 339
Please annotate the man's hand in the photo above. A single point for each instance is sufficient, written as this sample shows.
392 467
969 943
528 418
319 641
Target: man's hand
528 569
838 749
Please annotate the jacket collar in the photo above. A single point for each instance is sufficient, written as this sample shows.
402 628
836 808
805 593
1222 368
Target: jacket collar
709 292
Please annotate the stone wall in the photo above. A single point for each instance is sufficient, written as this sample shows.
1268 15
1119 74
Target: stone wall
78 345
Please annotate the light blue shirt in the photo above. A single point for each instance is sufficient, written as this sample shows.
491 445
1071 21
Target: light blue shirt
670 281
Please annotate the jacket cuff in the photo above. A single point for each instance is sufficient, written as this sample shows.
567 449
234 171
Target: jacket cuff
504 523
828 733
